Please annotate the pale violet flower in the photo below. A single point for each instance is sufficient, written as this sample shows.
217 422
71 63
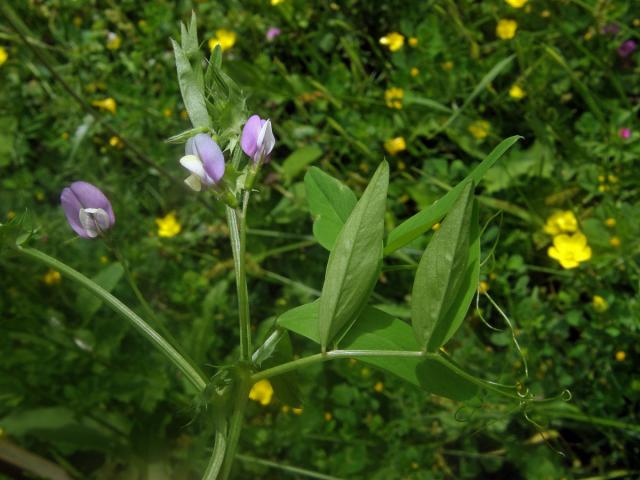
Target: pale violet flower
88 210
257 138
204 159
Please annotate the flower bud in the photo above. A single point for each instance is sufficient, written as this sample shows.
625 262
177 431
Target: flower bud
257 138
87 209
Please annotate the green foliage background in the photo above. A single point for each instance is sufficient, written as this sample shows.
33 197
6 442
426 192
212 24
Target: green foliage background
79 387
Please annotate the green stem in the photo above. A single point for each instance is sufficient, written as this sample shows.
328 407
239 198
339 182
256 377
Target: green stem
286 468
180 362
237 419
217 456
237 230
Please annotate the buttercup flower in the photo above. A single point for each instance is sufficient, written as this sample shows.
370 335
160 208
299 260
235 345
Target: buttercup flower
627 48
87 209
113 41
262 392
204 159
570 250
414 72
393 97
620 356
168 225
610 222
483 287
561 222
52 277
506 29
272 33
599 304
225 38
257 139
516 3
276 2
394 41
479 129
108 104
516 92
3 55
615 242
395 145
624 133
378 387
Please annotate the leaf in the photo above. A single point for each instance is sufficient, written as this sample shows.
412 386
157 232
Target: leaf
441 273
377 330
330 203
190 75
422 221
298 160
354 262
86 302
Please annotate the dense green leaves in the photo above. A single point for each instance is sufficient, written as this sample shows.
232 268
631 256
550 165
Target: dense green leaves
439 288
354 262
299 159
377 330
422 221
330 202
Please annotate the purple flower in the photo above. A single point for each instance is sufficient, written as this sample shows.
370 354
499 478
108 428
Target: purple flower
204 159
257 138
87 209
272 33
627 48
624 133
611 29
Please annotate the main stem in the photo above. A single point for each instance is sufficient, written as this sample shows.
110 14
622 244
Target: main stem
237 231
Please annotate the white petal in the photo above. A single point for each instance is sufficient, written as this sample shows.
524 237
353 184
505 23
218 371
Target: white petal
194 165
266 140
94 220
194 182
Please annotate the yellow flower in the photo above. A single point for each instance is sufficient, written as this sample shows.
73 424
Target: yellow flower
262 392
328 417
413 42
599 304
225 38
483 287
570 250
479 129
447 66
113 41
167 112
52 277
3 55
378 387
115 142
393 97
610 222
614 242
394 41
285 409
436 226
516 92
506 29
297 410
561 222
168 226
395 145
516 3
414 72
620 356
545 13
276 2
108 104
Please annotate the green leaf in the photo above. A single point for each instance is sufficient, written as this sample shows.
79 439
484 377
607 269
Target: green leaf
422 221
354 262
440 276
86 302
377 330
298 160
190 75
330 203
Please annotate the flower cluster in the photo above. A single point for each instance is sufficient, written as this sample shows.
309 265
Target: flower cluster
570 246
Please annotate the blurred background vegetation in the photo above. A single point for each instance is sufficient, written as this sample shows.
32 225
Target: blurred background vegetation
88 91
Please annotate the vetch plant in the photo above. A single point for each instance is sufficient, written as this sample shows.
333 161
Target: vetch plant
342 321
